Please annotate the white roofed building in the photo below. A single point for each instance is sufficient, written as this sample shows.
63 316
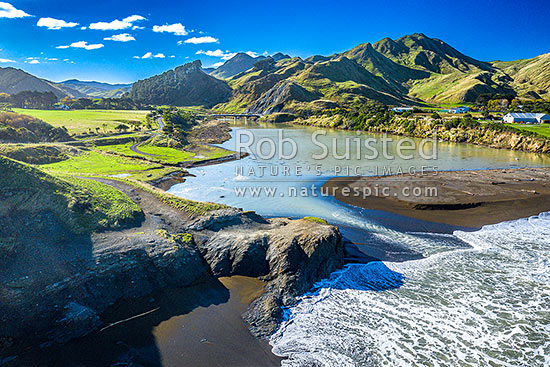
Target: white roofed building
526 118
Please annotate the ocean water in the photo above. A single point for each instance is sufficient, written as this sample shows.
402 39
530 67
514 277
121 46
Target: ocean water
487 304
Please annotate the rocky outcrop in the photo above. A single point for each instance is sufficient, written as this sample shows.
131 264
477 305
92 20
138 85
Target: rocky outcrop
186 85
291 254
63 295
62 300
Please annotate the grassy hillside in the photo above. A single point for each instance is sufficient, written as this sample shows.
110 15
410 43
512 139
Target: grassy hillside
411 70
31 197
531 77
13 81
37 153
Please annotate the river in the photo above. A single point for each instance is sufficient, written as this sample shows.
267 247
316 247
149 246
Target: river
434 296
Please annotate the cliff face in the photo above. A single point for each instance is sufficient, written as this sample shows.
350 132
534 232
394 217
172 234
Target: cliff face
55 286
478 135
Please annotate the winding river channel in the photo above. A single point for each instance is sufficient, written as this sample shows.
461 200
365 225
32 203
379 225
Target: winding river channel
432 294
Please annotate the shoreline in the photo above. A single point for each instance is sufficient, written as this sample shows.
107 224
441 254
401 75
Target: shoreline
466 198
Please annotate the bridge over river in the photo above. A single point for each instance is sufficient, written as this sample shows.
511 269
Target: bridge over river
236 116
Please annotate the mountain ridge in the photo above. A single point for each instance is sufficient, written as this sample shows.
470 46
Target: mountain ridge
97 89
410 70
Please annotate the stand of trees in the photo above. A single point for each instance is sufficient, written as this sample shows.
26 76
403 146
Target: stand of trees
29 99
177 123
509 103
123 103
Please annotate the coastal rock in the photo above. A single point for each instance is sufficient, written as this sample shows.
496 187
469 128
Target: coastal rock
63 299
299 256
292 254
61 295
300 253
77 321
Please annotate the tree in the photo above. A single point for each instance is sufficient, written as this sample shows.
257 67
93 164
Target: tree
121 127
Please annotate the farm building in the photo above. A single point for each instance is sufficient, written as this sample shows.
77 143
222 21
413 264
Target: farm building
461 109
526 118
402 109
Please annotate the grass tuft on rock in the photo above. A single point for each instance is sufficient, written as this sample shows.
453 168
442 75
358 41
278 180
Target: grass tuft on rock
315 220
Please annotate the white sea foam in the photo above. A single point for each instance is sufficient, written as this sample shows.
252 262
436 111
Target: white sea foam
488 304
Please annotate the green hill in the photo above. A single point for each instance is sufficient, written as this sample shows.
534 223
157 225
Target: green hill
33 200
410 70
530 77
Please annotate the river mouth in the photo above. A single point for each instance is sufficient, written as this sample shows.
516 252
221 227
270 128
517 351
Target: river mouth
295 185
413 293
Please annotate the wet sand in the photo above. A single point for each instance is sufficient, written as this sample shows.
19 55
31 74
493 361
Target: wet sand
463 198
194 326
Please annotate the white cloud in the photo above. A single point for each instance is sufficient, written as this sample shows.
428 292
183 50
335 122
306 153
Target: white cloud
217 53
4 61
82 44
51 59
117 25
124 37
83 28
34 62
217 65
180 42
133 18
198 40
150 55
55 24
252 54
85 45
8 11
177 29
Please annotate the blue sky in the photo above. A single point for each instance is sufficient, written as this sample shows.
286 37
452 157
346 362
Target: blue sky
61 39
